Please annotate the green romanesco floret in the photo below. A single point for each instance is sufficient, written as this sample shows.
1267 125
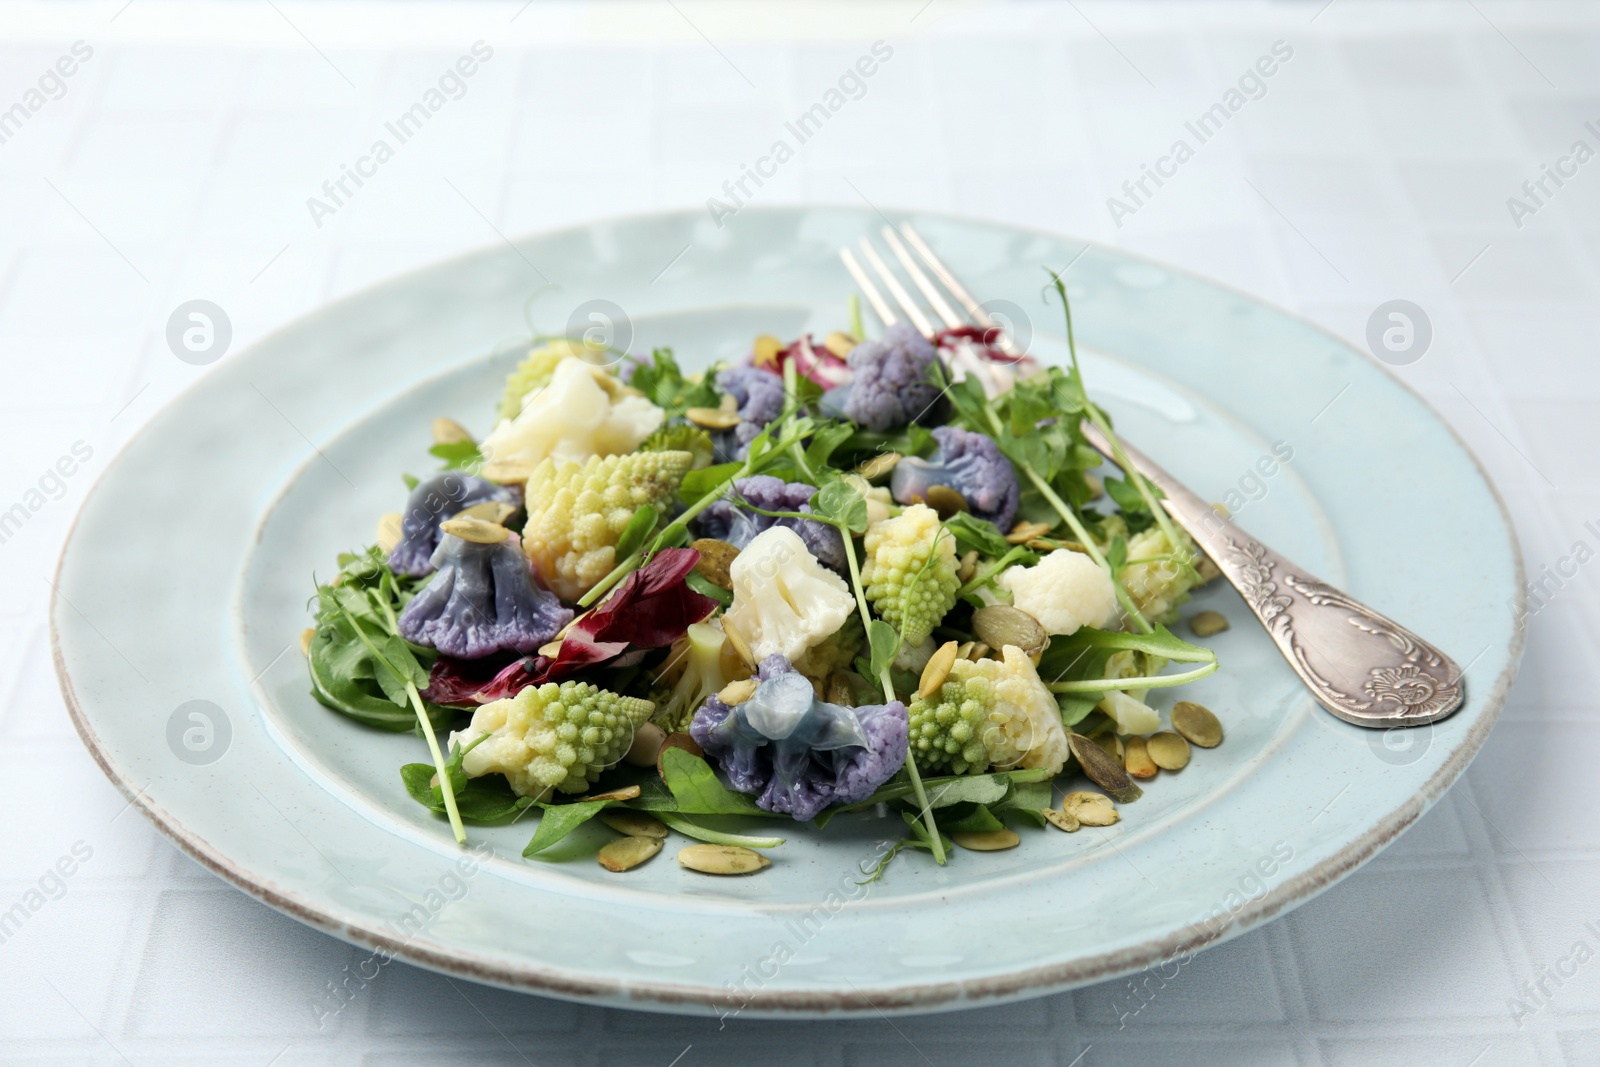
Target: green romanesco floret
910 571
551 736
993 713
577 512
681 437
535 372
1161 585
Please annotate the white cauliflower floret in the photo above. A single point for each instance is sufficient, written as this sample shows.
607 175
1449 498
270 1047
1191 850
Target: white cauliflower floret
1064 590
1132 716
583 412
784 601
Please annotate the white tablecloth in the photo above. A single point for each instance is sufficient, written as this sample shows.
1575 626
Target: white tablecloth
175 163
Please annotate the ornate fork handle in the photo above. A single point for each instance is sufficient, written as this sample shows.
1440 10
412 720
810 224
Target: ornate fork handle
1364 667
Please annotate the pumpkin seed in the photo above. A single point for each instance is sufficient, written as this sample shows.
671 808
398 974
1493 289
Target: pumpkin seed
627 792
937 670
735 693
878 465
1000 625
965 651
1136 758
1023 532
1207 569
840 691
389 532
633 823
968 567
729 402
713 418
1196 723
1222 509
305 641
646 745
737 642
683 741
1168 751
475 530
946 501
840 344
495 511
507 471
1112 744
626 853
1102 770
986 840
979 650
1207 623
1061 820
765 351
722 859
449 432
1090 809
715 559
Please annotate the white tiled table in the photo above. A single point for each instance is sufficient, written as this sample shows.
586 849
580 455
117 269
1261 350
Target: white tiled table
177 164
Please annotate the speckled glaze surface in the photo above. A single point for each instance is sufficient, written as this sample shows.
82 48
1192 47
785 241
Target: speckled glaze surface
305 810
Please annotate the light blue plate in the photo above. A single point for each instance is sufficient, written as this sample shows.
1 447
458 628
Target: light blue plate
192 562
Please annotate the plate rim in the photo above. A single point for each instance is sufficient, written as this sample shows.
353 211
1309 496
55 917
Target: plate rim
920 997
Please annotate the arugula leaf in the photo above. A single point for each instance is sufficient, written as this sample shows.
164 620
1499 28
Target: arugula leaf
559 820
458 455
1027 799
690 828
696 484
488 799
698 791
972 532
1075 708
699 584
977 820
1125 495
828 438
662 382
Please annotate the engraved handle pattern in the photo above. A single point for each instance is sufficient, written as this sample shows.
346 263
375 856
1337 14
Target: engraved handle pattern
1364 667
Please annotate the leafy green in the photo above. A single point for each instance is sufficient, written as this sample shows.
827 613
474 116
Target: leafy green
663 383
559 820
972 533
841 504
884 642
697 484
488 799
639 527
697 790
458 455
977 820
1026 799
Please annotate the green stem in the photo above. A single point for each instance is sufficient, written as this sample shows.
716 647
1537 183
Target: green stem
982 577
857 329
791 403
1157 681
888 695
446 786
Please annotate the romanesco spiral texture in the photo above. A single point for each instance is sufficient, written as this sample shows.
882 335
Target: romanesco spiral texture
1160 587
552 736
835 653
910 571
577 511
534 372
991 713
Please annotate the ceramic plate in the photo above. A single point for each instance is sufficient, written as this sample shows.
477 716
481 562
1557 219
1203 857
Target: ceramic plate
183 591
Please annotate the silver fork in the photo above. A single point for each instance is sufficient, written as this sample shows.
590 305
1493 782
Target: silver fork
1362 666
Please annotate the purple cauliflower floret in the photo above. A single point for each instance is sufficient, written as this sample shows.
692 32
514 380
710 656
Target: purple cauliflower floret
796 753
430 503
893 383
726 520
971 464
482 600
761 398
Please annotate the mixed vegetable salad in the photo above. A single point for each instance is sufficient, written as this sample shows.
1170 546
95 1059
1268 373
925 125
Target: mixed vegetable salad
839 577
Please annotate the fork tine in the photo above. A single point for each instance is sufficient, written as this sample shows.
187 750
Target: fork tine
901 297
886 315
959 291
941 306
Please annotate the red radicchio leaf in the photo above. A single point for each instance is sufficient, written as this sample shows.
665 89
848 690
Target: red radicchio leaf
652 608
988 340
818 364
